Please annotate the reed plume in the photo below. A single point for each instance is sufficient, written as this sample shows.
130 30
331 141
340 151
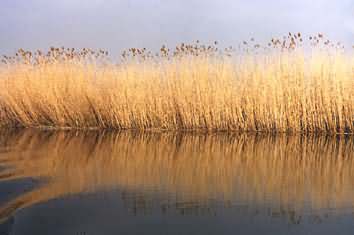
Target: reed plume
194 87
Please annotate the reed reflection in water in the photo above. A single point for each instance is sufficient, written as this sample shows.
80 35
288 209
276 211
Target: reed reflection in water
292 174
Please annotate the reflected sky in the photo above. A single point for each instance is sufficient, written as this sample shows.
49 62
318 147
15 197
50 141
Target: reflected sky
115 25
70 182
306 174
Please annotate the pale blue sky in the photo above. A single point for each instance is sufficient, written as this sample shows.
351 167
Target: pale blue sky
115 25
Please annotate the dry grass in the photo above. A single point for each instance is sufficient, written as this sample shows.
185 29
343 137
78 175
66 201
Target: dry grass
285 91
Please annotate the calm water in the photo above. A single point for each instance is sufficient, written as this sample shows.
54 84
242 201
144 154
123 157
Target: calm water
167 183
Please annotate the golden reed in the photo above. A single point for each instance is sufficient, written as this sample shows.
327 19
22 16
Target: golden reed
195 87
286 172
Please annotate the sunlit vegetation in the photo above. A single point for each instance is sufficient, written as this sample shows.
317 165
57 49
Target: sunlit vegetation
286 85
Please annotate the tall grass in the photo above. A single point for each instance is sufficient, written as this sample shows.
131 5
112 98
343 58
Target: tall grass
286 91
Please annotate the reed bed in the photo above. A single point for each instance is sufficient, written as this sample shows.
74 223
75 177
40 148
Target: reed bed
278 88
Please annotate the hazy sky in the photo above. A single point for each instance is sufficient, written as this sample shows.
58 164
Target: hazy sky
118 24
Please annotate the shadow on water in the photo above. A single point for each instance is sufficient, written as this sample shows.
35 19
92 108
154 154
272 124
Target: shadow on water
190 173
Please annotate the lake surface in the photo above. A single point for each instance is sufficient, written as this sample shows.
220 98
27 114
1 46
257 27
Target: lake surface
91 182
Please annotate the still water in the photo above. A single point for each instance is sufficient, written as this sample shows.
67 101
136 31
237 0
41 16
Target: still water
175 183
